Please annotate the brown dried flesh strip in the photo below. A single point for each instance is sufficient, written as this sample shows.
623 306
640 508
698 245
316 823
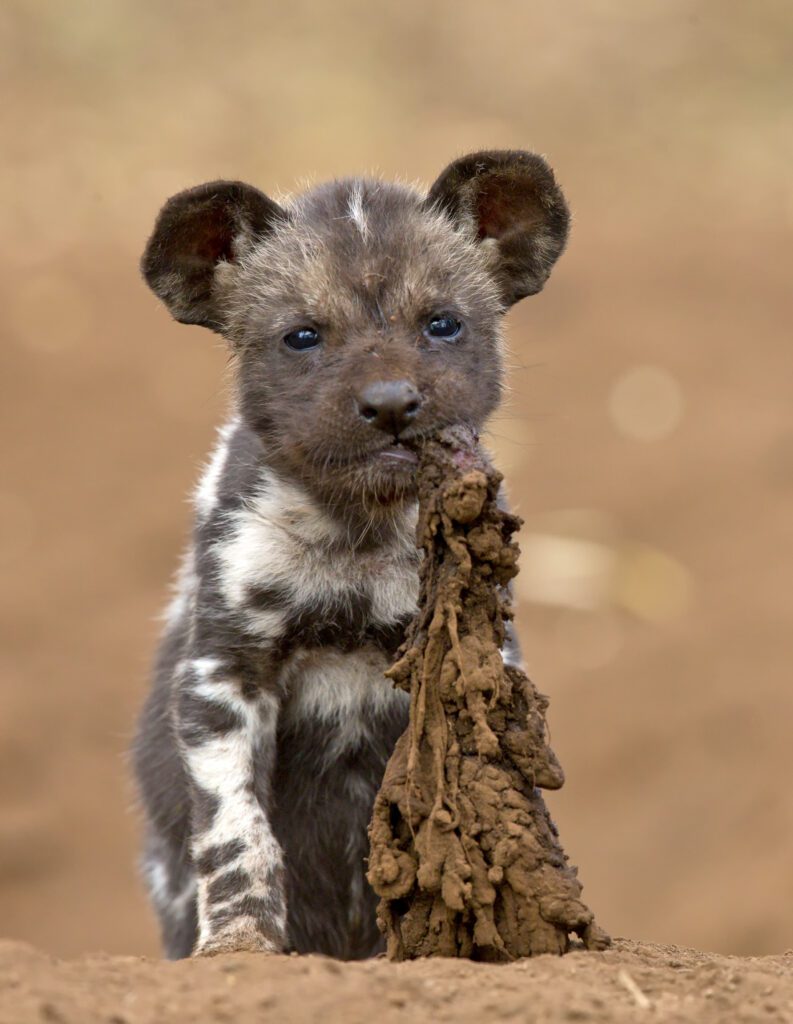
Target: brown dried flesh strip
464 856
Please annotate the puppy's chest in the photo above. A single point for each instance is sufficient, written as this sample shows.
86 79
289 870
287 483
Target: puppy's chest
344 693
344 599
335 617
306 588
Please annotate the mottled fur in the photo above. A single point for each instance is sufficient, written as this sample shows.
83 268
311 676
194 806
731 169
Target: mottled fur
265 735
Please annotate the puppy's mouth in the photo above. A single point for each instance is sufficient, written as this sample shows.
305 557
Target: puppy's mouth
397 455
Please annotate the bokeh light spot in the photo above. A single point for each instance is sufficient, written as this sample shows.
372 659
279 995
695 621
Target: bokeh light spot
651 584
646 403
570 572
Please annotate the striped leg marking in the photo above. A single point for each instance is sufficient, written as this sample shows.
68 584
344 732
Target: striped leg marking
224 732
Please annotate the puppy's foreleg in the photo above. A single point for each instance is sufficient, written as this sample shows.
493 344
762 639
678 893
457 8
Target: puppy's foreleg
227 732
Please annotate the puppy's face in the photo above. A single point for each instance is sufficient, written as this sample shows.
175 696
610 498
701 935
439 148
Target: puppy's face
361 322
362 314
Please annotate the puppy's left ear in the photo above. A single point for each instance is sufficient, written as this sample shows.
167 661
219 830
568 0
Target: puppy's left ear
511 197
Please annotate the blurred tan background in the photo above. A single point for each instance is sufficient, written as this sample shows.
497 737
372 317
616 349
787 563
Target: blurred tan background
648 438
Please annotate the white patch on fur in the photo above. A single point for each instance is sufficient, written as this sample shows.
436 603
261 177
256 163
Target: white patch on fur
268 538
185 896
511 657
227 694
393 585
356 211
345 690
223 767
158 881
206 494
177 608
183 590
206 668
510 652
282 538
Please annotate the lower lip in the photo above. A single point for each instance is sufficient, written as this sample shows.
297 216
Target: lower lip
402 455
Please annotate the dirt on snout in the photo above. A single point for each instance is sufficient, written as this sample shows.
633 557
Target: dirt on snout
628 983
464 855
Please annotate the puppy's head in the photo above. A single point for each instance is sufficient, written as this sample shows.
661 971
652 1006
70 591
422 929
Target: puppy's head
361 314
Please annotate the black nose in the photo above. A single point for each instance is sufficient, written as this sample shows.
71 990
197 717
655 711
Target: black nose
389 405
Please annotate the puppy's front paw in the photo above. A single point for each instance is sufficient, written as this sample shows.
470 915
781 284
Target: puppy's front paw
244 937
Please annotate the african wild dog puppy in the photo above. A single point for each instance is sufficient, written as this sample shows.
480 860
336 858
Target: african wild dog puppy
360 316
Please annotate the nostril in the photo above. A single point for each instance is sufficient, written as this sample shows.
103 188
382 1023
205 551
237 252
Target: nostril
388 405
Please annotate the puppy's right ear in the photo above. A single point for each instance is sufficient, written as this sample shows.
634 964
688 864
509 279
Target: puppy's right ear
197 230
508 199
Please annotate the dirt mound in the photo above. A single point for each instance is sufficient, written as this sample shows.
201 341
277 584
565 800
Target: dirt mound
626 983
464 855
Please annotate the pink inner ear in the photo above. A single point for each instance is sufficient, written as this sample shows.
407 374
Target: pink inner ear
505 204
212 240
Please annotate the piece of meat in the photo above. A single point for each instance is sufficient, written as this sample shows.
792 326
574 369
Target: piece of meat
464 856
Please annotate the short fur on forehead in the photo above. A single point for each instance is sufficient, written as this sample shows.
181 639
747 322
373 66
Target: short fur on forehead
354 250
496 220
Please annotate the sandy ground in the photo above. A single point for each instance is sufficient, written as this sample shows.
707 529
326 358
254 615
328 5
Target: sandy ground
632 982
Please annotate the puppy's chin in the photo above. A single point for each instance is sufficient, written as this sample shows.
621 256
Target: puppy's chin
357 486
365 491
391 492
379 484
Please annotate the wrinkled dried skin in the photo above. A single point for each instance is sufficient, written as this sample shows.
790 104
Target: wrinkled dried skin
464 855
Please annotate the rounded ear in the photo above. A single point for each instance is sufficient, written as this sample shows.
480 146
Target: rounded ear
194 232
511 197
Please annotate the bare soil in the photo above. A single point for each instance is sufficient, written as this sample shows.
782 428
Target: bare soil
627 983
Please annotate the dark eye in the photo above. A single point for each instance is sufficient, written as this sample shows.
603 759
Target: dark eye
443 326
302 339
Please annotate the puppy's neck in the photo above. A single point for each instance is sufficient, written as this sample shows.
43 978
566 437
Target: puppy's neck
319 517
